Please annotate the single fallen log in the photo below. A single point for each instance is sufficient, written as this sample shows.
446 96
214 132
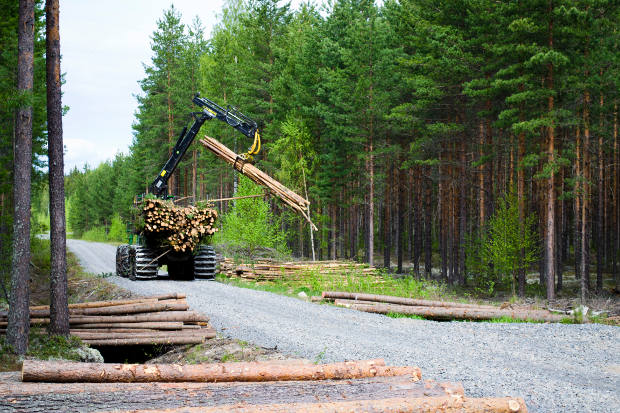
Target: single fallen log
296 202
442 404
400 300
149 341
106 335
93 304
184 316
60 371
442 313
166 305
157 325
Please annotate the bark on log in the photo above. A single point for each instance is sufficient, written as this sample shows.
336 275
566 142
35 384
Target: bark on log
183 316
93 304
148 341
442 313
446 404
158 325
400 300
59 371
171 305
107 335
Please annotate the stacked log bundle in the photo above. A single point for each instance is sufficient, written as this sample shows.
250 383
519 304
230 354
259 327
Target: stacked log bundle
436 310
271 270
296 202
181 228
277 386
163 319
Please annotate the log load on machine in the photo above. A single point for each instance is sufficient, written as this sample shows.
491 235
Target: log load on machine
177 236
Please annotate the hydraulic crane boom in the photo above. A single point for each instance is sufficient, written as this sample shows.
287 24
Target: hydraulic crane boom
231 116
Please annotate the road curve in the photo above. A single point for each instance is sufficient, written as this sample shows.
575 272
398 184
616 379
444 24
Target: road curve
554 367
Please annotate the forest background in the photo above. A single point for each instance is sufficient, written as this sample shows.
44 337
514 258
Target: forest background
475 140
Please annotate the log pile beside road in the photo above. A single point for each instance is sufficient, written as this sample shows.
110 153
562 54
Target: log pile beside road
271 270
163 319
435 310
296 202
182 228
277 386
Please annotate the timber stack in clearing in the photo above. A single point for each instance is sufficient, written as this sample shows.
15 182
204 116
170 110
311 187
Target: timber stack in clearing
181 228
163 319
265 270
275 386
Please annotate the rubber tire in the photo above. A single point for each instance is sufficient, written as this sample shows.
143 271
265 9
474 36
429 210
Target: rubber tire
123 260
146 265
180 270
205 264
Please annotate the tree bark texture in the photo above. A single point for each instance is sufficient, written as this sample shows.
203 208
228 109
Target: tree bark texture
60 371
402 405
449 313
19 324
400 300
59 314
139 396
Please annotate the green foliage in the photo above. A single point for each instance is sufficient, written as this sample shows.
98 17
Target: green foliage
506 246
250 225
41 347
96 234
118 230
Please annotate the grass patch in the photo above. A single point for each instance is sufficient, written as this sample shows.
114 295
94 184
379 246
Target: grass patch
42 347
314 283
507 319
411 316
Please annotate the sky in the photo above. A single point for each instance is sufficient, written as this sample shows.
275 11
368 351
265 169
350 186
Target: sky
103 46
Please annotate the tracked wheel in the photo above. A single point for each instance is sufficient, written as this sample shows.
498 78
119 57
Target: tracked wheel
124 259
205 263
146 264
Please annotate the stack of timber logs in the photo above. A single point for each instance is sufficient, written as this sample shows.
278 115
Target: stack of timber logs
182 228
277 386
296 202
271 270
163 319
436 310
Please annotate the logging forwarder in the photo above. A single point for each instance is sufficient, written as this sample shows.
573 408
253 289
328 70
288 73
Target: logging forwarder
143 261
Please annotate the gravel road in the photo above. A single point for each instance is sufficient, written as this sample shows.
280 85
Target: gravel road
554 367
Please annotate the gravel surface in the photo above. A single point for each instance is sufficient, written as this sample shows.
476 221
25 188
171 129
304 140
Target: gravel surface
554 367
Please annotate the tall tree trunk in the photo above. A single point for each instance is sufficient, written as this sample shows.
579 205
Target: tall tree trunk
600 244
172 181
550 240
616 201
194 173
521 200
19 314
585 190
481 179
577 204
371 199
428 235
387 206
59 304
400 219
417 220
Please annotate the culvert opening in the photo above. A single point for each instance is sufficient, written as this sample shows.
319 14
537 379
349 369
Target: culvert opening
132 354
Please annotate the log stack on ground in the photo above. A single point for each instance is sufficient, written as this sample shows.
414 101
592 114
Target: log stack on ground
277 386
436 310
182 228
163 319
296 202
271 270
